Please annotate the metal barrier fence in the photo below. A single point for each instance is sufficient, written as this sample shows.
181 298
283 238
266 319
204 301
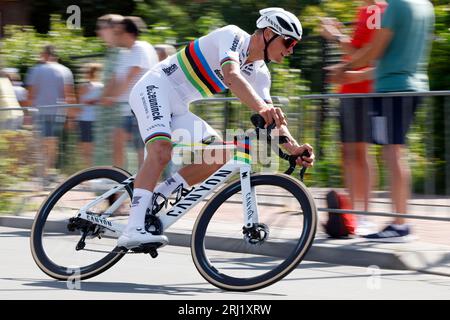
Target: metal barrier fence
429 144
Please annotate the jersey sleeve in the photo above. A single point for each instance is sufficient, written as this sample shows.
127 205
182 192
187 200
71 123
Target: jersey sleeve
231 39
262 84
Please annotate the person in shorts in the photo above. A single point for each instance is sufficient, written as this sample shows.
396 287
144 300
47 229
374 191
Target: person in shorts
354 118
89 91
401 49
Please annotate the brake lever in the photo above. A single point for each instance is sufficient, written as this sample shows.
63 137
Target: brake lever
292 164
303 170
259 123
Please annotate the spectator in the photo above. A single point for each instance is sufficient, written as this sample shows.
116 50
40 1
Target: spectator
135 58
354 113
106 120
20 92
164 51
401 48
92 90
50 83
11 119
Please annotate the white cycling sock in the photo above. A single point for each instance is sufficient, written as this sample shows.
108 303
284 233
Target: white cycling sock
140 203
167 187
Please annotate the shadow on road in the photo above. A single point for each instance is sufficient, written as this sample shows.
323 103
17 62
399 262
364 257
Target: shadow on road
184 289
12 234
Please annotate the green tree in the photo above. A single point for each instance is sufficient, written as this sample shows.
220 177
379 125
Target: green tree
22 45
41 11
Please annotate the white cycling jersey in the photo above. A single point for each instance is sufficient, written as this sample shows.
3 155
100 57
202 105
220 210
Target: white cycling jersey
162 96
196 71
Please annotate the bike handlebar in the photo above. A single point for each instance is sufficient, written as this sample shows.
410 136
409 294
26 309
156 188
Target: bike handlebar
259 123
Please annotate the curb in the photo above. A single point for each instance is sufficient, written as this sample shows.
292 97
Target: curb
416 256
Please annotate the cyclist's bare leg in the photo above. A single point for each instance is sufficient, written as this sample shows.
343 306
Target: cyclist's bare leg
158 156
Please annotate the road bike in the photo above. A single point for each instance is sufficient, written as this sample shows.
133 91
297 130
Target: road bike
250 233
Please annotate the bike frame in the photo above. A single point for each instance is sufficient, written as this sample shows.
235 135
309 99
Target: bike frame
241 162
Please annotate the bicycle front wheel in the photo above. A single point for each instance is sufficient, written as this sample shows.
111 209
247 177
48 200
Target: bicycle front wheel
232 258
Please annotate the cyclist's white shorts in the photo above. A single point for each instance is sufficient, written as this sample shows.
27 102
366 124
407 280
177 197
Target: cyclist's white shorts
161 115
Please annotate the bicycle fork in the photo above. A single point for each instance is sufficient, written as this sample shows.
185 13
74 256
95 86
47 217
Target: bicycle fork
250 208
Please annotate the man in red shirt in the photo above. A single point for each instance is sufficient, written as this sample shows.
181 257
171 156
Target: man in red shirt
355 122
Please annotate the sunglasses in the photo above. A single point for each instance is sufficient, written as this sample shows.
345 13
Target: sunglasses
289 43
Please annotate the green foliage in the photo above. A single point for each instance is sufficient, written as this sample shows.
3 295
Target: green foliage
16 165
179 21
160 12
41 11
439 68
22 45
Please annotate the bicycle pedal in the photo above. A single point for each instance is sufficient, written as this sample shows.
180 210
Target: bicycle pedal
153 253
148 248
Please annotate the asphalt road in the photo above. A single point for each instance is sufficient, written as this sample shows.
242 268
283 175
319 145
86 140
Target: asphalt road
173 276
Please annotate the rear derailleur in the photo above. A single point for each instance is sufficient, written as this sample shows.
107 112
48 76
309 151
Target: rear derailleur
86 228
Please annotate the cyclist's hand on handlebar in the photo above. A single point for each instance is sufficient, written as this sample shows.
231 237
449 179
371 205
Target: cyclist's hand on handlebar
272 114
305 161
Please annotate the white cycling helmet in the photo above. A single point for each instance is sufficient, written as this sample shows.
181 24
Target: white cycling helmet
281 22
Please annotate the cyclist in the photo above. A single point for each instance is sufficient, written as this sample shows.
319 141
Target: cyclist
225 58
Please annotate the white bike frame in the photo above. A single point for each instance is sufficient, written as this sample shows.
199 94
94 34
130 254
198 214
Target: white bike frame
240 163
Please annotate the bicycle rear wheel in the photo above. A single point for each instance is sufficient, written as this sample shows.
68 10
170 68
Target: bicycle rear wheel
54 236
232 259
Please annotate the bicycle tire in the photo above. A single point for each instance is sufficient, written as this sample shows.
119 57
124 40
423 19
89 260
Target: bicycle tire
40 257
215 277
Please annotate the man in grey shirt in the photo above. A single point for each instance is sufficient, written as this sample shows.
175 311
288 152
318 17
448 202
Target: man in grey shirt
50 83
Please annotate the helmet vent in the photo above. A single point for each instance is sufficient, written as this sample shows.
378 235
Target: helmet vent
284 24
296 30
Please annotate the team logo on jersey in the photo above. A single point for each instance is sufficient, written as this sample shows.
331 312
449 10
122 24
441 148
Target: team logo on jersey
171 69
218 74
235 43
144 103
248 69
154 107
